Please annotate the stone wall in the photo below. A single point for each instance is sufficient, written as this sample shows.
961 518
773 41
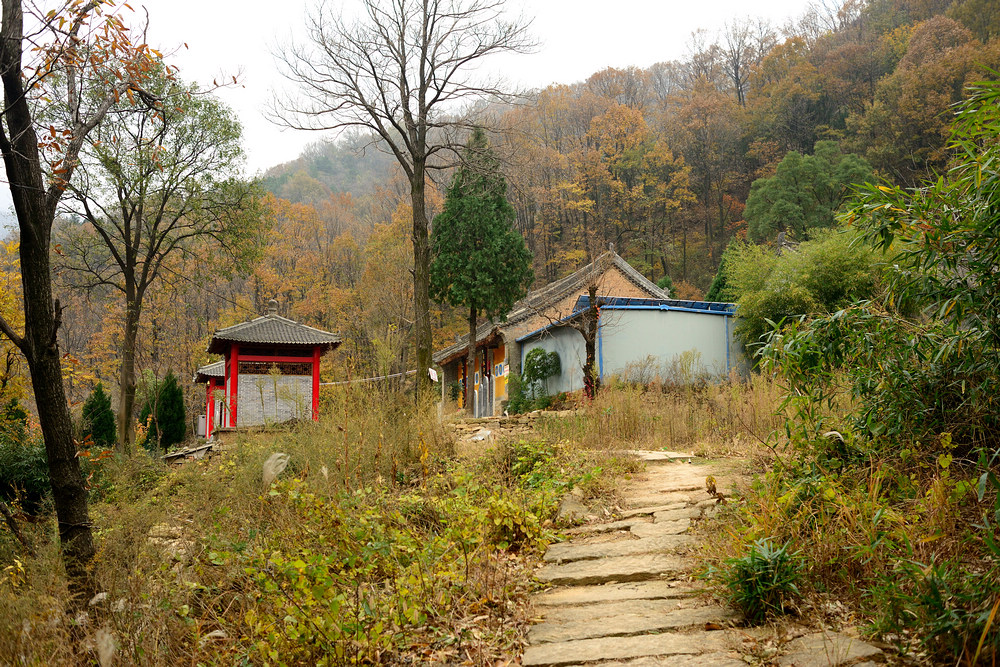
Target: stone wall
268 399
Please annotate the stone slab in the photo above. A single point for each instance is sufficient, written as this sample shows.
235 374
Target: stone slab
649 511
560 654
826 649
618 569
685 610
659 456
665 498
627 625
635 590
675 515
593 528
651 530
727 659
567 551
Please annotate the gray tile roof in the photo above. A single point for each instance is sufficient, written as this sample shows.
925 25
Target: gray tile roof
544 297
216 369
272 329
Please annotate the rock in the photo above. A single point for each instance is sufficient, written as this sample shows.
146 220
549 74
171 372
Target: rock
826 649
571 509
675 515
635 590
618 569
567 551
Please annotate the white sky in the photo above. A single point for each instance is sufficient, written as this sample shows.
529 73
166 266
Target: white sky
578 38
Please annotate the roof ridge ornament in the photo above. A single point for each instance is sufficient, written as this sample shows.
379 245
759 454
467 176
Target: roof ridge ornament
272 307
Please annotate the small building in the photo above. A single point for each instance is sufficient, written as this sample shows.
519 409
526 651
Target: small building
641 340
269 372
498 346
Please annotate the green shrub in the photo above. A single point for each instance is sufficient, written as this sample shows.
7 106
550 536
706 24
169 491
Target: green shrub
24 471
764 580
539 366
165 402
98 418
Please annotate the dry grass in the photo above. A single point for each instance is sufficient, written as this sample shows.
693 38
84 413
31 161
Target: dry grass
733 418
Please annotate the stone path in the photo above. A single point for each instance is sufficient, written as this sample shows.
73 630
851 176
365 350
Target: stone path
621 592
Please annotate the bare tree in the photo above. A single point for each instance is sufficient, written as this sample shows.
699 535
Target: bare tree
397 71
85 61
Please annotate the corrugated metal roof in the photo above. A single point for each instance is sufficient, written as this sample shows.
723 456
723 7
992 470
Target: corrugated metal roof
272 329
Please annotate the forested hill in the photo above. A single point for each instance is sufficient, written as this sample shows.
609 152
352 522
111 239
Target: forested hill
660 161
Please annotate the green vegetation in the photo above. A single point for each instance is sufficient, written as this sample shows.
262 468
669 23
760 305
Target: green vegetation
804 192
163 409
819 276
886 474
98 420
764 581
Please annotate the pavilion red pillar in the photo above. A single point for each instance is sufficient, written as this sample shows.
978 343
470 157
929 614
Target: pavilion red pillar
234 382
209 408
315 387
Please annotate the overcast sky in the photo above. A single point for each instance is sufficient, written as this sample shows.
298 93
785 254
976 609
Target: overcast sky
578 38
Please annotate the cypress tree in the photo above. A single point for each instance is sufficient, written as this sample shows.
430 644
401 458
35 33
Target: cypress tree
98 418
480 261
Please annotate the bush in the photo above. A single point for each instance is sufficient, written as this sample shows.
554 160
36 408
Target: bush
822 276
98 418
24 471
763 581
539 366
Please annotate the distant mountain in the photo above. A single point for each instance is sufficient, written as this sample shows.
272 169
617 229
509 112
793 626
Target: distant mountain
354 165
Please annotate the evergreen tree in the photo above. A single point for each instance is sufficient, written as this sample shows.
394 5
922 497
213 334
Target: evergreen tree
479 260
98 419
165 403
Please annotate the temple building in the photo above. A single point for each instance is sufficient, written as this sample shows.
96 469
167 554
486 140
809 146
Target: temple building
269 373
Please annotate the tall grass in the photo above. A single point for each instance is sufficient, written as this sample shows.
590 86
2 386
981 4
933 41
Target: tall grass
734 417
373 545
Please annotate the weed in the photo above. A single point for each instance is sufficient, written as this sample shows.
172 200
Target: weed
764 581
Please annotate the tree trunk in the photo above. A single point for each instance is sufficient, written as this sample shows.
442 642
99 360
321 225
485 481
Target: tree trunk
470 387
69 492
421 278
35 211
591 321
126 379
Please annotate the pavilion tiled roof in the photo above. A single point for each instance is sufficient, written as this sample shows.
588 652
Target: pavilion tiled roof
272 329
215 369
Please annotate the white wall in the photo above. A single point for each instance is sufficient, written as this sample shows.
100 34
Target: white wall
568 342
632 336
661 339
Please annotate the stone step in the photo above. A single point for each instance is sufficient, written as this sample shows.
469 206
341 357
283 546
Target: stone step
697 609
652 497
568 551
827 649
596 528
674 515
560 654
727 659
650 511
651 530
619 569
628 624
636 590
